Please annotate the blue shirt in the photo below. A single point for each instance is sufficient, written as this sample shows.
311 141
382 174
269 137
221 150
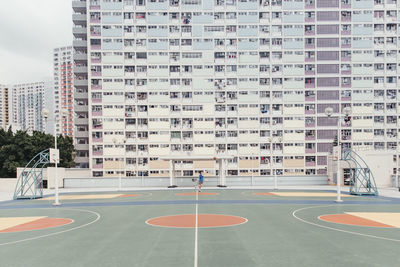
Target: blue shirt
201 178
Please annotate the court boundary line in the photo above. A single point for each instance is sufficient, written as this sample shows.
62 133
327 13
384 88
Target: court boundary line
335 229
57 233
196 231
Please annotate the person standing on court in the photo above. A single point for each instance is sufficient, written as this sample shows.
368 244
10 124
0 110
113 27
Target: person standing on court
201 180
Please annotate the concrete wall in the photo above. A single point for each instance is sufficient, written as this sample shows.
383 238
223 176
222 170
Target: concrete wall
50 173
7 186
187 181
381 165
81 178
379 162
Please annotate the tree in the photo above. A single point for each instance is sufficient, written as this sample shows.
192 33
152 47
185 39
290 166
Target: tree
16 150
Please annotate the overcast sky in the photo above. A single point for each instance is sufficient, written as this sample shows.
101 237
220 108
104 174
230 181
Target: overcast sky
29 31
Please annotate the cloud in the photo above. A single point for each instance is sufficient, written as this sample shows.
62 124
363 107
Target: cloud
29 31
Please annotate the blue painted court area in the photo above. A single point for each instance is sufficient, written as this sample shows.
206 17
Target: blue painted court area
109 229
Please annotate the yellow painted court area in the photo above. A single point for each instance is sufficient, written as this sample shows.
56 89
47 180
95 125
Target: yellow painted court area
8 222
307 194
388 218
72 197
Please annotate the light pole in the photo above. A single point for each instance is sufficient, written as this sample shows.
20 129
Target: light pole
252 167
116 142
271 142
46 113
329 112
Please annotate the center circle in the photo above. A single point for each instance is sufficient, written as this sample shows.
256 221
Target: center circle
189 221
199 193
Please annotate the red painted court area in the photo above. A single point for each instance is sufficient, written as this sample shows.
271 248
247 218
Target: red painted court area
199 193
204 221
352 220
42 223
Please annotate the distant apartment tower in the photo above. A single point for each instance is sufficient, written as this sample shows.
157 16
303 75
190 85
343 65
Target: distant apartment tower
80 82
247 78
28 102
63 90
49 104
4 106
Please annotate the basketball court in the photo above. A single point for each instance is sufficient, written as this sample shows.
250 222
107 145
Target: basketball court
216 227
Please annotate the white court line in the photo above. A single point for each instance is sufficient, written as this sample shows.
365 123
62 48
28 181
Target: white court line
339 230
196 230
56 233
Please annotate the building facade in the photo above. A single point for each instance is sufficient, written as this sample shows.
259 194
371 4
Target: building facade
80 82
249 78
27 104
49 103
4 106
63 90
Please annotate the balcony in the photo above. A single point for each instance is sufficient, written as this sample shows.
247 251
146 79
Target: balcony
310 85
81 159
98 153
82 146
80 56
78 95
79 18
81 121
78 6
80 108
310 164
78 31
310 137
97 166
81 134
80 82
96 73
79 43
80 69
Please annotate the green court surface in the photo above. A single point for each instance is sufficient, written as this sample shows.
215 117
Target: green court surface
115 229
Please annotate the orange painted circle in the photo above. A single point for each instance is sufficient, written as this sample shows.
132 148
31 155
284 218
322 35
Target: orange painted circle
264 194
199 193
38 224
352 220
204 221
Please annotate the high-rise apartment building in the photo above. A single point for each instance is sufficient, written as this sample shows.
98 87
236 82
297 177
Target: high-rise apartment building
249 78
81 98
63 90
4 106
49 104
27 105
